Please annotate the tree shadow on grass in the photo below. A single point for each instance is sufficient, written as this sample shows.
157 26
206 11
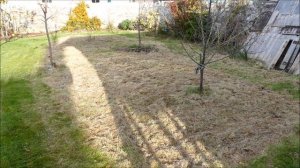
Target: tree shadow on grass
38 130
142 98
20 140
65 141
90 103
132 113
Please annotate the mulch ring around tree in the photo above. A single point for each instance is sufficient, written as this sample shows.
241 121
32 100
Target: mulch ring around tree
143 48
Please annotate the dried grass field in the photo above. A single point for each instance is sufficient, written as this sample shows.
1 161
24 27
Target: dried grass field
139 108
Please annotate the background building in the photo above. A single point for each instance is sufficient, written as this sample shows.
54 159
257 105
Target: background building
278 44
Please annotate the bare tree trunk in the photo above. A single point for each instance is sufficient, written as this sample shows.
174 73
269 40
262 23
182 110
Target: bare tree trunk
202 61
2 32
201 81
219 28
139 34
139 26
209 7
49 44
6 34
44 9
2 24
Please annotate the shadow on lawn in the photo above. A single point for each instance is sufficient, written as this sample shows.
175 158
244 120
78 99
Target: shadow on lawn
134 103
37 130
158 124
19 141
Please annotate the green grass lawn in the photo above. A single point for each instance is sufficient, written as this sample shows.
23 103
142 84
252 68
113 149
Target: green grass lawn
282 155
33 135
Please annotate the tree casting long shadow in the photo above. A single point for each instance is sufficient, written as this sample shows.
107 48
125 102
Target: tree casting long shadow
134 106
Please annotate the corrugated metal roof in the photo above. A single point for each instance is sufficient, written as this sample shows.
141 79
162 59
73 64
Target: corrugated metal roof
287 13
286 6
286 20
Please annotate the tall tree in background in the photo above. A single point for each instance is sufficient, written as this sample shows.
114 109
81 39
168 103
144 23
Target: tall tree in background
44 7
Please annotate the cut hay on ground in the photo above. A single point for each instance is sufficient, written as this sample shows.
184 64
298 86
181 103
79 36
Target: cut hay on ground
135 107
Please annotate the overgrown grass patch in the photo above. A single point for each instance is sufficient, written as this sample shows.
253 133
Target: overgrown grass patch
195 90
286 86
247 69
171 43
252 72
192 90
131 34
287 152
282 155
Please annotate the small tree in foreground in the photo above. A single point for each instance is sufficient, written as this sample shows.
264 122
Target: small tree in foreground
213 26
44 7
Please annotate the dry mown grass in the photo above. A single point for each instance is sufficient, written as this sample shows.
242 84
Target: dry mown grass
134 106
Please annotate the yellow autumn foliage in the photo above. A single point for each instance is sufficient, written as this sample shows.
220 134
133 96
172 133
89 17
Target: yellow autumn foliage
79 19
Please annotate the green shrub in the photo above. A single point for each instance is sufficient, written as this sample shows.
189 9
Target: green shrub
79 20
149 20
127 25
187 15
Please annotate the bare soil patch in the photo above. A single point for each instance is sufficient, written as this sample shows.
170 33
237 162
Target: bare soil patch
136 108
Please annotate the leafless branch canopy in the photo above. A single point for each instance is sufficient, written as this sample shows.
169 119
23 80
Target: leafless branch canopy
216 26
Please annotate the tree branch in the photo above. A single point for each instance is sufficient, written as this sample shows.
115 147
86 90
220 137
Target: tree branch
191 57
217 60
